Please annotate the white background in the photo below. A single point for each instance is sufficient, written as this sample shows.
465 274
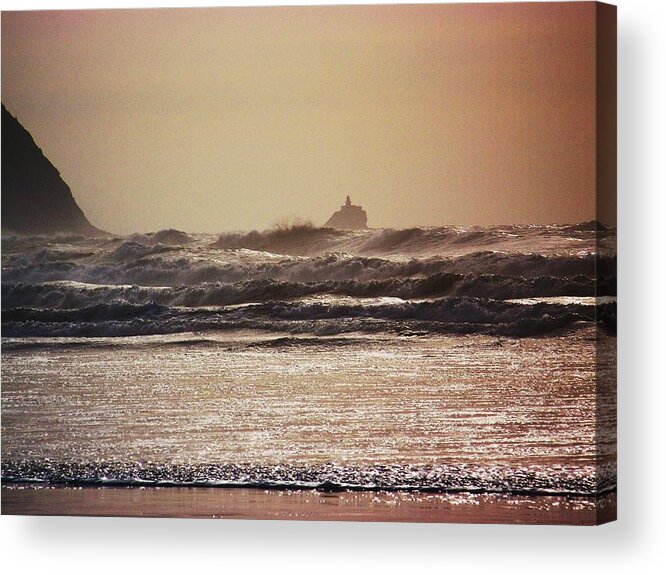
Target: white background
632 544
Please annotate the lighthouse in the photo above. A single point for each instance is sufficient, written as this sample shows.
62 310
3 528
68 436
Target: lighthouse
348 217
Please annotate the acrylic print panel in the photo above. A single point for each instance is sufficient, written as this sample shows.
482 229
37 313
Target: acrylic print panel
343 263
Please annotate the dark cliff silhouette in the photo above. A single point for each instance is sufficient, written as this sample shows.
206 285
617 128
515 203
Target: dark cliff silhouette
35 199
348 217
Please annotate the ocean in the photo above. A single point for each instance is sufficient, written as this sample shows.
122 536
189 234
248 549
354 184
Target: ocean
450 360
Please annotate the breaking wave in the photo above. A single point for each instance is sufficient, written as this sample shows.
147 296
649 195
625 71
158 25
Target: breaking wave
169 237
74 295
301 239
161 265
310 240
447 315
161 282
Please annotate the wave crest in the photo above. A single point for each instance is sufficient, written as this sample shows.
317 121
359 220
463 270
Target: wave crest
161 265
64 295
462 315
168 237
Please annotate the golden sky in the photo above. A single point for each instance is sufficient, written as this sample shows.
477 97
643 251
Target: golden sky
233 118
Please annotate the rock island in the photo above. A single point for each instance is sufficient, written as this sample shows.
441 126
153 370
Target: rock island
348 217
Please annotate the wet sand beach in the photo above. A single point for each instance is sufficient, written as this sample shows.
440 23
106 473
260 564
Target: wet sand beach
246 503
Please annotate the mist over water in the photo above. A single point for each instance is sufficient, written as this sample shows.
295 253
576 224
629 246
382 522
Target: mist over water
427 358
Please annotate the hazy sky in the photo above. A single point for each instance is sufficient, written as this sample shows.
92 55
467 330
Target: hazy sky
233 118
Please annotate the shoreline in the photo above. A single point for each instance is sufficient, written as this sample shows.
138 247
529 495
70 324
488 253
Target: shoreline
305 504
